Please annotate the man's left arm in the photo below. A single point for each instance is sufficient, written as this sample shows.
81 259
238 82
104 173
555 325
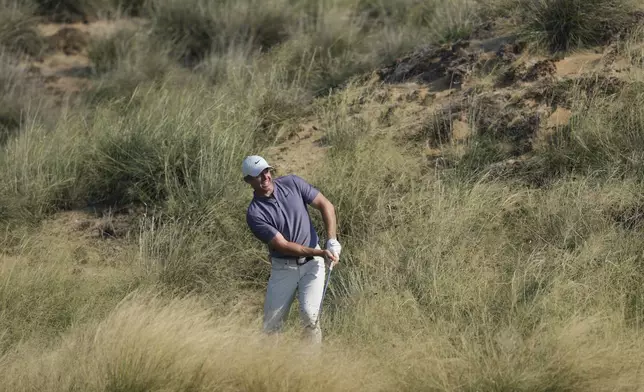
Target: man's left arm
327 209
328 215
318 201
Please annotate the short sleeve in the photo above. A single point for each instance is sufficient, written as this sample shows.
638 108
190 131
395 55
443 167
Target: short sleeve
307 191
260 228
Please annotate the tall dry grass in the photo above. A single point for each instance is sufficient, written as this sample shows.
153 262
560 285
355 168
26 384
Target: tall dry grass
48 286
485 287
17 29
449 280
150 343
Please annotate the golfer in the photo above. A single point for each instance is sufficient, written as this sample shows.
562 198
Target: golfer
278 216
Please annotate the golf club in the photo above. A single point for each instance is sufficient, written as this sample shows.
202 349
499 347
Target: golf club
326 284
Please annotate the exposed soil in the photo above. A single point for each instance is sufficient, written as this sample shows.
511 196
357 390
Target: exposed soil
579 63
299 154
439 94
526 99
98 224
65 67
444 66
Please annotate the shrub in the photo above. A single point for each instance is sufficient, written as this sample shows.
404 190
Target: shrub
74 11
604 136
566 24
106 54
198 27
124 62
17 29
19 101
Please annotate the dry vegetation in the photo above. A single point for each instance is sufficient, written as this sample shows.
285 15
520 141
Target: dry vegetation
485 159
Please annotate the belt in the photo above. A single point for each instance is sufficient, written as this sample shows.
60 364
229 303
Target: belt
306 260
298 260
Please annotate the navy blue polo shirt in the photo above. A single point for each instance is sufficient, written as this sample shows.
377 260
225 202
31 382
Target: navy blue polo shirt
285 211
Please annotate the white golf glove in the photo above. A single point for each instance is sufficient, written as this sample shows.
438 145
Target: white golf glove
333 246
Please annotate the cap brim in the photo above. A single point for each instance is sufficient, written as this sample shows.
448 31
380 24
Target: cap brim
260 169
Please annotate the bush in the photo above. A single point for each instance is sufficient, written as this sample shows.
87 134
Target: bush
20 102
198 27
74 11
567 24
17 29
604 137
124 62
106 54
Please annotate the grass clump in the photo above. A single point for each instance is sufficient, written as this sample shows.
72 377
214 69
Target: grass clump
47 286
18 34
123 62
11 113
75 11
156 161
446 20
107 54
205 251
198 28
20 103
154 154
151 342
567 24
603 138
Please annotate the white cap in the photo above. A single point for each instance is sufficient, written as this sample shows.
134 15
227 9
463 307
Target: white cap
253 165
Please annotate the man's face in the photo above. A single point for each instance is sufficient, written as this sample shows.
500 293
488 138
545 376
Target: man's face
263 183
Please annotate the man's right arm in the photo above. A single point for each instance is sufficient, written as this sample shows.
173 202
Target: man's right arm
275 240
283 246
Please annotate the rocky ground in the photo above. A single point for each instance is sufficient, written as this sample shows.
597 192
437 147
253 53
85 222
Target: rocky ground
440 95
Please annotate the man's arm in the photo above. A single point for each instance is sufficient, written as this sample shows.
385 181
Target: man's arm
328 215
327 209
315 198
271 236
283 246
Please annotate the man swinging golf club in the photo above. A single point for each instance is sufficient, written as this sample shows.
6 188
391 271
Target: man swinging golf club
278 216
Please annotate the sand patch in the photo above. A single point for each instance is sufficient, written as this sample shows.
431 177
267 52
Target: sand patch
578 63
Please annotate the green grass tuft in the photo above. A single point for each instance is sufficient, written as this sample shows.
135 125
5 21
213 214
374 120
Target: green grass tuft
568 24
198 28
17 29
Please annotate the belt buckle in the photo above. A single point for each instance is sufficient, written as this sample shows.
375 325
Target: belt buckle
306 260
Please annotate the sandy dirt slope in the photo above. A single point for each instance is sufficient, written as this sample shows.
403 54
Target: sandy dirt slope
507 88
65 67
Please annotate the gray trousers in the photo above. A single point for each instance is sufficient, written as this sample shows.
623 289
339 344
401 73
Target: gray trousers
286 279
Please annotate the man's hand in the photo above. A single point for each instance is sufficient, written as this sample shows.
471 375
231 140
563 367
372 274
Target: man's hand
331 256
334 246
